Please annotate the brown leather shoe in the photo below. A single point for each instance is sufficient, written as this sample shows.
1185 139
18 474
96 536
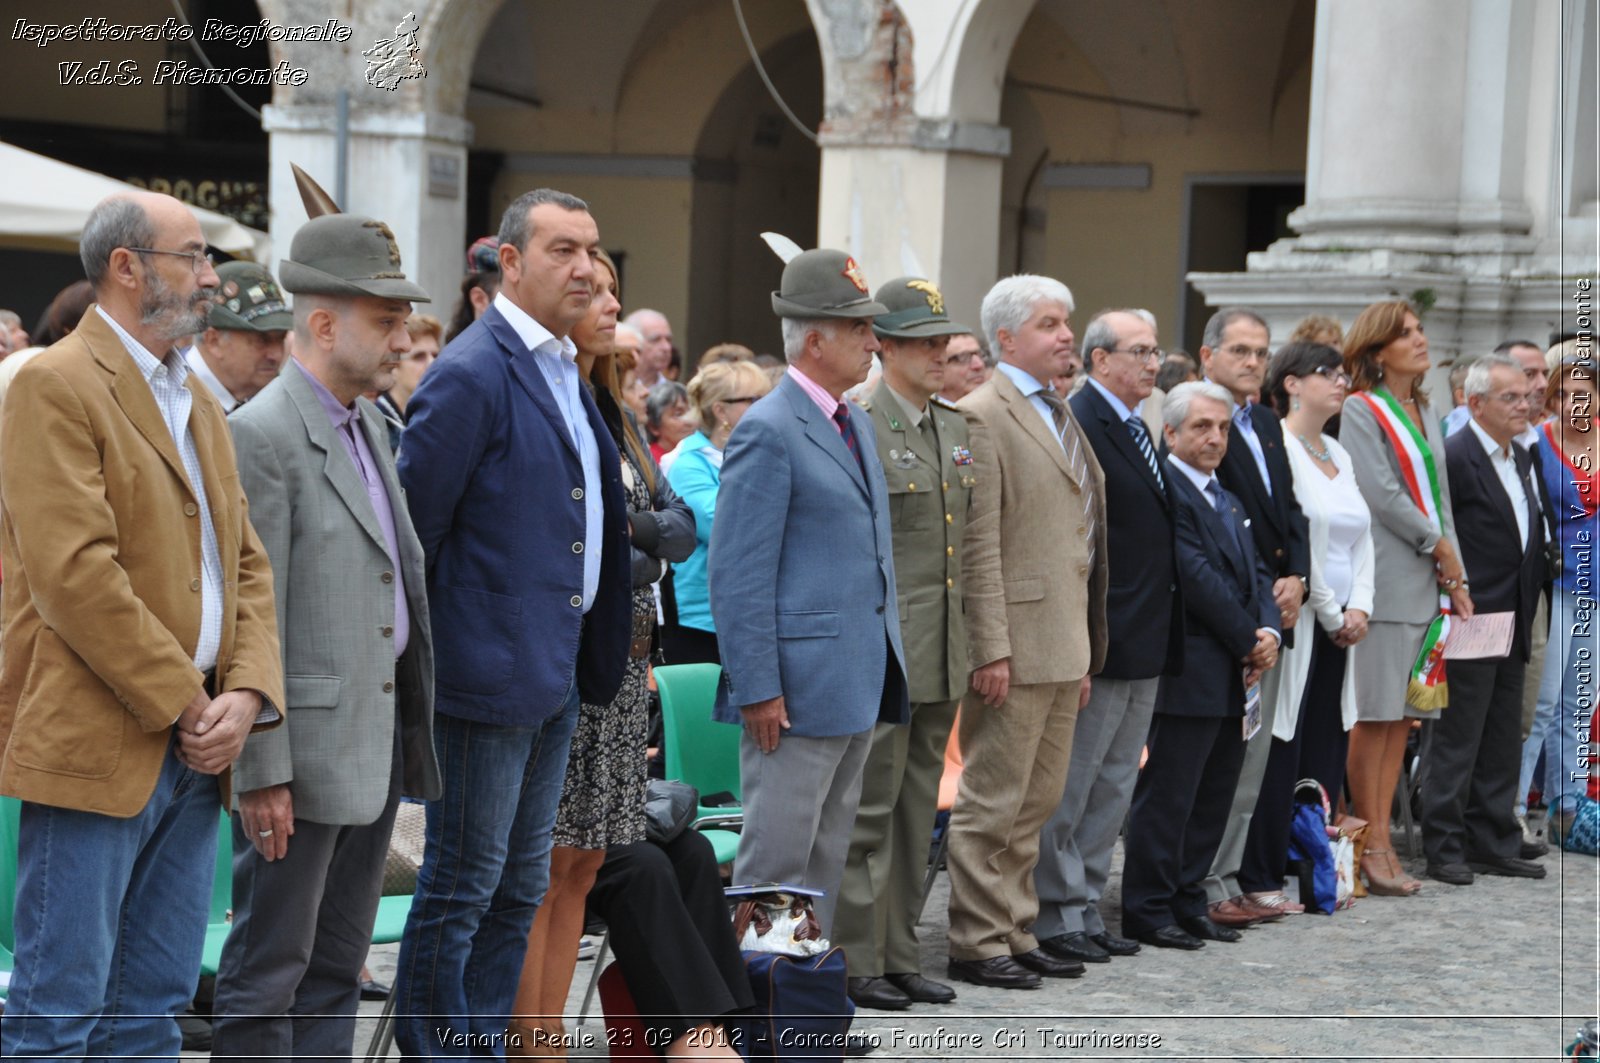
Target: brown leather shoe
1227 913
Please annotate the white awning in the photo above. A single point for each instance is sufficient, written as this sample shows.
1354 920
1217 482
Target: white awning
43 204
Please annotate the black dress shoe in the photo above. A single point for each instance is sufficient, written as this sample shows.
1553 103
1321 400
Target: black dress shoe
921 990
1453 874
1172 937
859 1044
1041 962
1509 866
196 1031
1075 946
1000 972
1534 850
876 993
1115 945
374 990
1202 927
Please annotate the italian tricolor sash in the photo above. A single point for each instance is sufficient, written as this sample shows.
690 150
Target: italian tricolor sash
1427 690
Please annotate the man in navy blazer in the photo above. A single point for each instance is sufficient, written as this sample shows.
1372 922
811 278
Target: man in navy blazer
1234 353
515 489
1196 741
801 575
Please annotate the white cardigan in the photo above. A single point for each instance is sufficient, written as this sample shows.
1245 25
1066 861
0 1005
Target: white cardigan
1294 664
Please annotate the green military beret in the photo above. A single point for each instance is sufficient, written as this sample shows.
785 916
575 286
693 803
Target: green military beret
249 300
824 283
915 310
346 254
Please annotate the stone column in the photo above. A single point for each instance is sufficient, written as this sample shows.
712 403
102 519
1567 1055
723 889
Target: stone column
406 168
1427 173
911 157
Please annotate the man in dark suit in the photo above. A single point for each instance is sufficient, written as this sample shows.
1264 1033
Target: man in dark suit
515 488
1473 749
802 587
317 797
1234 353
1196 745
1142 602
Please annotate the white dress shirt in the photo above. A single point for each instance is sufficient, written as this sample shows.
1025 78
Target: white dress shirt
1030 389
1504 463
166 377
557 360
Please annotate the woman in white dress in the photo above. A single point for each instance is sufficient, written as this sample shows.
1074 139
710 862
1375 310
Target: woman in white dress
1316 697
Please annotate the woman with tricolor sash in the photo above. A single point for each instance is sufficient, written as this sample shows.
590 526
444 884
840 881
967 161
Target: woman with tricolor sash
1394 443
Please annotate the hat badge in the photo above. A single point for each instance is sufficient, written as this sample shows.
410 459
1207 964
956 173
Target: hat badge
388 234
853 274
931 292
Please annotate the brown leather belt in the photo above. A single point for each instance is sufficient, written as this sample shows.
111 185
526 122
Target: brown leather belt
644 626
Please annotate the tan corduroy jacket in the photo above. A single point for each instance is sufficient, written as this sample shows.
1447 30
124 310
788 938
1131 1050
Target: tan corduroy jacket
1032 593
100 540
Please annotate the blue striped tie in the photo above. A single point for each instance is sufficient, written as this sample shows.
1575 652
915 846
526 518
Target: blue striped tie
1141 439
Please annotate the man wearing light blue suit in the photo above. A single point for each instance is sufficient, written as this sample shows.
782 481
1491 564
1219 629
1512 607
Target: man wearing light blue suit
808 627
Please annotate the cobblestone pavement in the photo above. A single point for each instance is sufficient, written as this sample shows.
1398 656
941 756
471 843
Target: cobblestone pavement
1479 972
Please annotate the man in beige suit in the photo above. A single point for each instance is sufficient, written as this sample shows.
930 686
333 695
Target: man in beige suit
1035 562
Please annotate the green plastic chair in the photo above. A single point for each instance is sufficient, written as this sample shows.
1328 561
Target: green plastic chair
10 814
700 751
217 922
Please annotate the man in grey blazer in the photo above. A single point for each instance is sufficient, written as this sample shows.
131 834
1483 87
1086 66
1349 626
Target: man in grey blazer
316 798
802 587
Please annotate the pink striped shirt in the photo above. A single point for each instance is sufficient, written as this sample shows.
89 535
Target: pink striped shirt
819 395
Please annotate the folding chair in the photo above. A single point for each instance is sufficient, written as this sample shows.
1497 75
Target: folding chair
700 751
10 813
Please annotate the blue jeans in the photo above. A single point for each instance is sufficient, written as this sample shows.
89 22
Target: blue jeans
484 873
110 923
1566 697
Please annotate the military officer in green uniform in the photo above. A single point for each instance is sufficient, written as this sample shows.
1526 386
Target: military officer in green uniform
922 442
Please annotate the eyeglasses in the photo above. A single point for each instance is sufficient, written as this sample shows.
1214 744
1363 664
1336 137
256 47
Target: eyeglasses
742 398
1239 350
1333 375
1513 398
198 260
1143 354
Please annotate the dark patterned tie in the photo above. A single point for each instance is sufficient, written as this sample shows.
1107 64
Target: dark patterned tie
1141 439
841 417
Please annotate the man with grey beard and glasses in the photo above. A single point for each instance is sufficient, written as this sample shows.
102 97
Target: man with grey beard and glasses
140 647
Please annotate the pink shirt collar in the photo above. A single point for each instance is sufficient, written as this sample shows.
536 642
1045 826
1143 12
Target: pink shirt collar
819 395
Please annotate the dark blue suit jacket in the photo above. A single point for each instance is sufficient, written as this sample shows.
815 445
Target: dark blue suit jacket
1282 534
1144 605
1506 575
1227 595
495 488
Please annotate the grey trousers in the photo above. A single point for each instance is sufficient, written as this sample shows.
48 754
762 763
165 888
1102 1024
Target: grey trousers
1223 882
288 983
799 803
881 895
1076 844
